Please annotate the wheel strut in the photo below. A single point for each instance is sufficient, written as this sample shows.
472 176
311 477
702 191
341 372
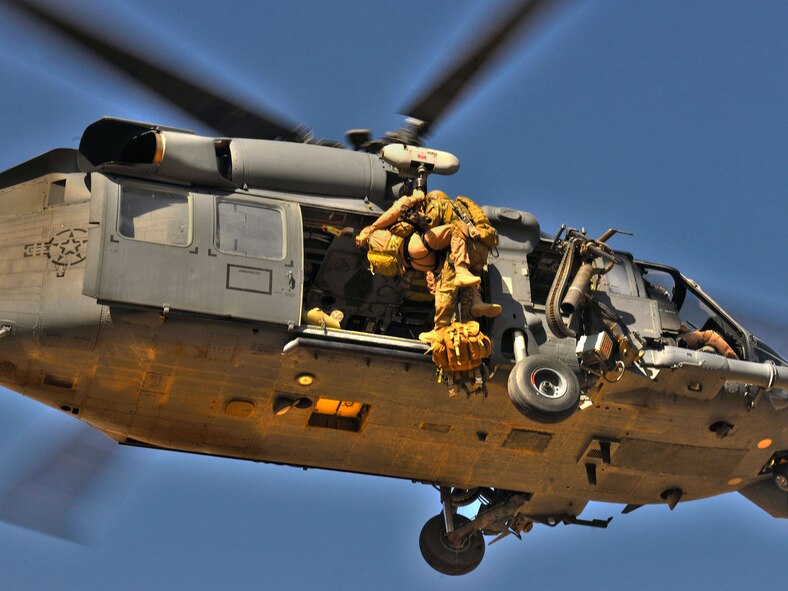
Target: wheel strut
448 510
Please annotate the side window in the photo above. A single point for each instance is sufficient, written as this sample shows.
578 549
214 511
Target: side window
250 230
659 284
694 312
616 280
661 287
154 216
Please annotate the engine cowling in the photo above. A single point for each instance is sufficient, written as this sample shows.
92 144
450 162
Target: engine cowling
172 155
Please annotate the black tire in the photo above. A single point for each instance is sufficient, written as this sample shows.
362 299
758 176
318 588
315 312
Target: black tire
444 557
544 389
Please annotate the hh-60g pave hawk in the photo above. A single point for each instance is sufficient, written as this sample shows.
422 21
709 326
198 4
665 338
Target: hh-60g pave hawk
165 275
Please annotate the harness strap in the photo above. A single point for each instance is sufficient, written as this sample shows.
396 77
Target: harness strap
408 259
430 250
405 251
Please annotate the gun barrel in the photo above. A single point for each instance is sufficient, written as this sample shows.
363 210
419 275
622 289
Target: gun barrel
765 375
577 289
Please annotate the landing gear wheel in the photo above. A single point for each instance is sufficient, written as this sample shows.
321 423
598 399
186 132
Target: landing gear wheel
446 557
544 389
780 474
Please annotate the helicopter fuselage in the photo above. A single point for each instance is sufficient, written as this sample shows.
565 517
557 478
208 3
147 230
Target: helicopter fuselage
159 314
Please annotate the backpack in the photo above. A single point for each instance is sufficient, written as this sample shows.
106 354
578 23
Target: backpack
461 347
387 261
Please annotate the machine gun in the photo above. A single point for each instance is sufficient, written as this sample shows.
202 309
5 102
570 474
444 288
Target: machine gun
563 302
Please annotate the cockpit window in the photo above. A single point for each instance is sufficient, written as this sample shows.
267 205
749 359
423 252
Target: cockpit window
659 284
765 353
695 312
616 280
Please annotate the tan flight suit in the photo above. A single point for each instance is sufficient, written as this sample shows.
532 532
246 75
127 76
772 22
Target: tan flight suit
699 339
422 249
471 253
437 207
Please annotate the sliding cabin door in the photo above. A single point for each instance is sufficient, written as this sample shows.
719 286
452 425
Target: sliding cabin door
177 249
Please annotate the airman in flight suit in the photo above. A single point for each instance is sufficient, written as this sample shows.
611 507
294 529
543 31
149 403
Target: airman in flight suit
421 228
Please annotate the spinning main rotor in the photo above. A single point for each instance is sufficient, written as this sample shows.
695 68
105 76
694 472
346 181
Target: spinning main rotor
232 118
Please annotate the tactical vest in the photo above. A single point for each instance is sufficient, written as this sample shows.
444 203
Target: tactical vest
415 288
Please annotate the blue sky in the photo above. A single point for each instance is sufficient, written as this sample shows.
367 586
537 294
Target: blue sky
666 119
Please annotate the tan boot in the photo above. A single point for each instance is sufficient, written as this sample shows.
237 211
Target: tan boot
480 308
428 337
464 278
436 334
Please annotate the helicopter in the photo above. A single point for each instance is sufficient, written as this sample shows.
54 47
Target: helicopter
603 457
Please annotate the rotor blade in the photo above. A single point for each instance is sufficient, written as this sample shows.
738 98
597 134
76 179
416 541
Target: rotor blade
221 114
437 100
52 497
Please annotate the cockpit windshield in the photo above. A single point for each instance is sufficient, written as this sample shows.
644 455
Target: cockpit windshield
765 353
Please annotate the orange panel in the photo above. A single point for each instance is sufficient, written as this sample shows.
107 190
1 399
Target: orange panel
326 406
349 409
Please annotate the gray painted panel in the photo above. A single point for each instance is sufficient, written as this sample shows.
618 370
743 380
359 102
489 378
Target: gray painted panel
639 314
198 277
23 199
100 185
306 168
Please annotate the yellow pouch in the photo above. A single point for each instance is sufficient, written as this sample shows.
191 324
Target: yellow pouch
462 347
